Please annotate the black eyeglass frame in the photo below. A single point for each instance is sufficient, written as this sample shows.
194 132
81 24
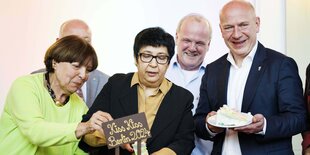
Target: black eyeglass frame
141 55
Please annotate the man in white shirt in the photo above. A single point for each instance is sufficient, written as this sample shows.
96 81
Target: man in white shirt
250 78
193 37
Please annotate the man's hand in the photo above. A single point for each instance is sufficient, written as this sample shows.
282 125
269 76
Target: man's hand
256 126
212 128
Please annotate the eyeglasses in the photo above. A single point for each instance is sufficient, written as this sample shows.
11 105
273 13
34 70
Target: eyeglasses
147 58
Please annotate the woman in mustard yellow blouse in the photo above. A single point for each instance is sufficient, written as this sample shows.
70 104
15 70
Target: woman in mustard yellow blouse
166 105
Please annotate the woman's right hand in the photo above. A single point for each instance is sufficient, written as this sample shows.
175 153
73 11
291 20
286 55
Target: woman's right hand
94 123
98 118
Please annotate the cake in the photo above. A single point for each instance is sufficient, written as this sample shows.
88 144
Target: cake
143 148
228 117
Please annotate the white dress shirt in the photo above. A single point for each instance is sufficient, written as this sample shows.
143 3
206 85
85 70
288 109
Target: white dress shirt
236 84
191 81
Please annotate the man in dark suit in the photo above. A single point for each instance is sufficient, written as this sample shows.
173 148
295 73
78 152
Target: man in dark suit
96 79
250 78
166 105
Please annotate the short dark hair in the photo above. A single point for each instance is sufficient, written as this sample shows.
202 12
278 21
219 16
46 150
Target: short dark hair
154 36
70 49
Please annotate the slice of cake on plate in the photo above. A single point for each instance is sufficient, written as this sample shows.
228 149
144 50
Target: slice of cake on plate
228 117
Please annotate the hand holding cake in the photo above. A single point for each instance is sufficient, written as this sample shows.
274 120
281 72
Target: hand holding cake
211 127
229 118
255 127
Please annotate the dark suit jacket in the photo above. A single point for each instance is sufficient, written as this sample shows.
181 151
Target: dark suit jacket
273 88
173 126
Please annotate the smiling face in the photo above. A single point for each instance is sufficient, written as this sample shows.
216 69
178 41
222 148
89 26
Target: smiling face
68 77
152 74
192 40
239 26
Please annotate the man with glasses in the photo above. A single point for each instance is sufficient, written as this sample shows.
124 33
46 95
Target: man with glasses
166 105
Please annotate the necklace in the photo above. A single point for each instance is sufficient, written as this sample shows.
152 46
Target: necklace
52 94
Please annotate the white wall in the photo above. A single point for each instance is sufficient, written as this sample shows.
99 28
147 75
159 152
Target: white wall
272 28
29 27
297 42
298 32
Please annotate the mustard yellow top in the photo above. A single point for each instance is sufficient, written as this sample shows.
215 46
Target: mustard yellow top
148 104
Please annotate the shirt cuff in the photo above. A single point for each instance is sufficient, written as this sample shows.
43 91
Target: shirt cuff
95 139
212 134
264 129
71 136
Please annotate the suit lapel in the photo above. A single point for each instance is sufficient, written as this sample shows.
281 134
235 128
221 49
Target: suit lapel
254 78
222 83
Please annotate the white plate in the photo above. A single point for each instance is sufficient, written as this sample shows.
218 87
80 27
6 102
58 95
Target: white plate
212 120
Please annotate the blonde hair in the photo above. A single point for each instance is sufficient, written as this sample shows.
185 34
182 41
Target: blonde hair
196 17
